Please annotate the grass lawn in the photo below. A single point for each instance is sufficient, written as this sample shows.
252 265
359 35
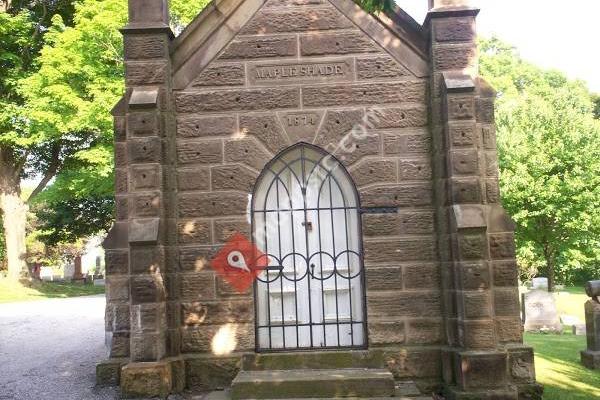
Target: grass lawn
558 367
570 301
11 292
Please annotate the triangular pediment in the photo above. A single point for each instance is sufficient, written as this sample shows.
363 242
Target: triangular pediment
209 51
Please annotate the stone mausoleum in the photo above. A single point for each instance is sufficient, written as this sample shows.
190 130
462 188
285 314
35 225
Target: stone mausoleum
358 153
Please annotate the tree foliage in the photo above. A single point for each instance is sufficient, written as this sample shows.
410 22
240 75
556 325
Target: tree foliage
549 142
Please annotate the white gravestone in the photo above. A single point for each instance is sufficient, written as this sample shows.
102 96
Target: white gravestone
540 312
69 271
539 283
46 274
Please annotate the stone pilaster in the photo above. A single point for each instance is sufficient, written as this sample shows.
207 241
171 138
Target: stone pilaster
476 236
590 357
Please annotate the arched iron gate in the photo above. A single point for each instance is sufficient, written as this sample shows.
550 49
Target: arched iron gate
306 218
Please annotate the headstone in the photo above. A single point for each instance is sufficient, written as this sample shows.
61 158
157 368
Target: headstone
539 283
46 274
540 312
69 271
579 330
569 320
590 358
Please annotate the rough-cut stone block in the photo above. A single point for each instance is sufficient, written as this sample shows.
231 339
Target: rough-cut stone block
225 228
520 363
506 302
454 29
233 177
196 258
417 363
204 339
488 135
359 94
475 304
384 278
265 128
464 162
144 231
142 123
197 286
505 273
336 43
492 191
473 276
396 144
119 345
261 47
121 159
460 107
117 289
238 100
145 46
193 179
221 75
481 370
146 380
146 259
477 334
418 169
219 312
108 373
246 151
422 276
338 124
463 134
398 117
120 129
147 289
146 205
466 190
404 304
402 223
386 333
211 373
145 177
425 331
502 246
212 204
143 151
193 231
380 67
192 126
485 110
454 57
370 172
200 152
117 262
509 330
145 73
296 20
397 196
472 246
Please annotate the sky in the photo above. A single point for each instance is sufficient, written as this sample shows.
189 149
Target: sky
562 35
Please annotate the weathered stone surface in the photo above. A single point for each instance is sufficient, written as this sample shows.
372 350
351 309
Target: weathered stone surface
265 128
193 179
246 151
473 276
211 373
422 276
225 228
145 73
212 204
402 223
398 117
145 177
117 288
475 304
416 363
386 333
261 47
425 331
221 75
521 367
384 278
146 259
196 286
201 339
412 143
237 100
379 67
336 43
461 107
301 126
463 134
454 29
296 20
200 152
196 259
455 57
416 169
289 72
142 151
146 380
337 125
233 177
219 312
404 304
466 191
506 302
142 123
502 246
192 126
117 262
108 373
194 231
472 246
374 171
478 334
146 205
359 94
397 196
509 330
464 162
138 47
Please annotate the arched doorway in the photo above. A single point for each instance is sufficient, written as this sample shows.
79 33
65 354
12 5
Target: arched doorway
306 217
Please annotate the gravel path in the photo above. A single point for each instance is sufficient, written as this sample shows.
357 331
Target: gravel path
49 349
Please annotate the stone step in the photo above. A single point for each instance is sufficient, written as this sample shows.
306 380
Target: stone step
313 383
312 360
226 395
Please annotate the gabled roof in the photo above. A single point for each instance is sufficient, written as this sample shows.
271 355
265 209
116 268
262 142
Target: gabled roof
221 20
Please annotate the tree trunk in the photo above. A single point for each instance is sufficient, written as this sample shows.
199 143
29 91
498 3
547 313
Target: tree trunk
14 216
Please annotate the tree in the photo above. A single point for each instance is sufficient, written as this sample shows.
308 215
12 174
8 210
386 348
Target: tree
548 143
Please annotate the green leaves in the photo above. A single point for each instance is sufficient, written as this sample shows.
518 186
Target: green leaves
549 142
